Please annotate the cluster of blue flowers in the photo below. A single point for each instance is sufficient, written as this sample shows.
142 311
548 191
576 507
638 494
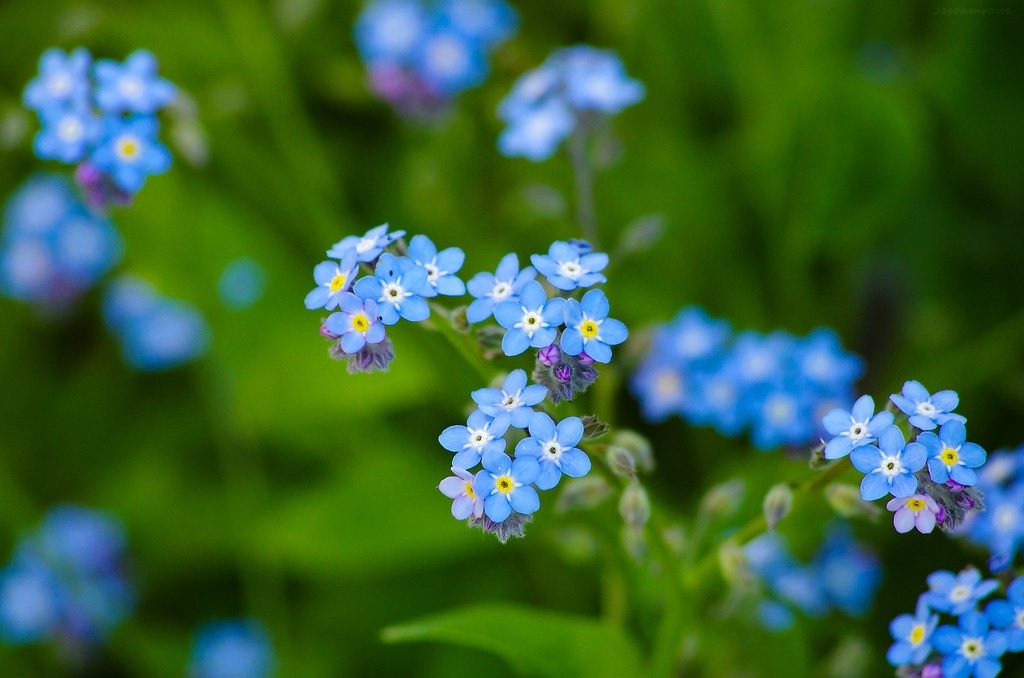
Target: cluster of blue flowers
420 54
575 87
231 649
941 495
570 335
156 333
777 384
53 248
101 116
843 575
1000 527
66 582
393 288
971 647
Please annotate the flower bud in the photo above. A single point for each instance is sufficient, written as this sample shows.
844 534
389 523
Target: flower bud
593 427
583 493
777 504
459 321
734 565
549 355
847 502
639 447
620 461
634 506
722 499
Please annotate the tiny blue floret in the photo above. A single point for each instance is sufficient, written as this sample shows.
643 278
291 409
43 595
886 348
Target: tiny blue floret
504 485
368 246
949 456
504 284
514 398
397 286
333 279
129 151
588 329
566 269
532 321
132 87
356 323
554 447
860 426
927 411
441 266
890 465
481 434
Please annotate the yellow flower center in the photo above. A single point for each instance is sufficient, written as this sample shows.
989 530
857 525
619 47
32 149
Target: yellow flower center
915 504
589 329
917 634
949 456
469 490
337 282
360 323
504 484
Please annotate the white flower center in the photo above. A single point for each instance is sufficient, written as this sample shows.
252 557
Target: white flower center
960 593
433 272
70 129
510 401
394 293
501 290
926 409
552 451
779 410
478 438
891 466
531 322
59 84
668 384
447 55
365 245
1006 518
570 269
1019 620
858 431
130 87
972 649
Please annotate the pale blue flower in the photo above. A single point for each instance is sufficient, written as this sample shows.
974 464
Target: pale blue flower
132 87
368 246
912 634
481 434
356 323
333 279
504 284
532 321
514 398
566 269
927 411
129 151
956 594
63 81
397 286
554 448
588 329
441 266
950 457
67 133
859 426
890 465
504 485
231 649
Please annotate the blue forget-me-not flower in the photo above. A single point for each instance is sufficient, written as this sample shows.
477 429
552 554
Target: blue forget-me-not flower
554 448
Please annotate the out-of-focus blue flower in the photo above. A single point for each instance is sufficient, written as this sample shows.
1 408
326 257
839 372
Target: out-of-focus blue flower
231 649
717 398
63 81
536 133
912 634
366 247
505 486
504 284
971 649
588 329
1009 615
554 447
397 286
53 248
693 335
956 594
67 581
890 465
333 279
759 359
854 428
242 283
514 398
545 104
155 333
949 456
459 488
67 133
441 266
927 411
567 269
820 359
849 572
420 56
662 389
132 87
356 323
780 415
129 151
481 434
533 320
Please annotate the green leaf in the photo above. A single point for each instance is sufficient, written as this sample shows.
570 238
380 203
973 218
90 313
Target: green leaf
533 642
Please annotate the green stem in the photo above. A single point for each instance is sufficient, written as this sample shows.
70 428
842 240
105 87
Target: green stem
583 174
464 344
709 563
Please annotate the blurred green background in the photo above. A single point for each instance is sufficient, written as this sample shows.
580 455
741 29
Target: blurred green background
834 163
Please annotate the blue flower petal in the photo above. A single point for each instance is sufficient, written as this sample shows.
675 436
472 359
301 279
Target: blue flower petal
549 475
497 507
525 500
874 486
575 463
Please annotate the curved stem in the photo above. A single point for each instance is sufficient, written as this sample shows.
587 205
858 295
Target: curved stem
583 174
708 564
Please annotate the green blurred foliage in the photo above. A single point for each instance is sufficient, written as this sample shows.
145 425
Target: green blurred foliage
814 162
